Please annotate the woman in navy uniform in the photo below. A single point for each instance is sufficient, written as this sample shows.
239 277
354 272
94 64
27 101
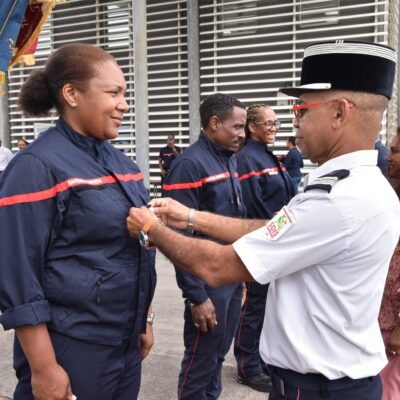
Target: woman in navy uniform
266 188
73 284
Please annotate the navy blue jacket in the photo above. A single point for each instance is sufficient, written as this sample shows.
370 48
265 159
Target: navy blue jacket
383 153
66 257
266 186
293 162
204 177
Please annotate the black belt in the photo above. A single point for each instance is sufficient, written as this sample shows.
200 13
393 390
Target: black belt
313 382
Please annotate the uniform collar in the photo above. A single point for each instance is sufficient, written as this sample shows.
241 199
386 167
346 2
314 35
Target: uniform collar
213 147
345 161
255 143
88 144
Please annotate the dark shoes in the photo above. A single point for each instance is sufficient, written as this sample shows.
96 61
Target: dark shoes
261 382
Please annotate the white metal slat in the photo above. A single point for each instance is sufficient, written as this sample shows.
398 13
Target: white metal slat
167 69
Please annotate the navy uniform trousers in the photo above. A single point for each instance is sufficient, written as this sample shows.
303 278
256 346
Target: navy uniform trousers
266 188
198 366
247 338
290 385
105 372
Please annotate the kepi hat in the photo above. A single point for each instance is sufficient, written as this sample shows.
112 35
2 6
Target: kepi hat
346 65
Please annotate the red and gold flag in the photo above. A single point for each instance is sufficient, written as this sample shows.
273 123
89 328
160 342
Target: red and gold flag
35 17
21 22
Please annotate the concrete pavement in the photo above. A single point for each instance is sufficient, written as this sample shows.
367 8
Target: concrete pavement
161 368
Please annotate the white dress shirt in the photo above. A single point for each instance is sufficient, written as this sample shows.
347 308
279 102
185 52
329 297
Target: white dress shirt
5 157
327 270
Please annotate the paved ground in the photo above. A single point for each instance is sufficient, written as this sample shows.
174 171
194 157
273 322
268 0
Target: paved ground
161 368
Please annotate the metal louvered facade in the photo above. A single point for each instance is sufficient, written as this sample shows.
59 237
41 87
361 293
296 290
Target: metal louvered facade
247 48
104 23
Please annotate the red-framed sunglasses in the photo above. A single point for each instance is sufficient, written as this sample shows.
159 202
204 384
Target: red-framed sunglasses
300 109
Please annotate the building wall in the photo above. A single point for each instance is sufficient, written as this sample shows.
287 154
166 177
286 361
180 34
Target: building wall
248 48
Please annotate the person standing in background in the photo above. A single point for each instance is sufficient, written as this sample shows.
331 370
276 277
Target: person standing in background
5 157
383 153
167 155
204 177
266 188
389 315
293 163
21 144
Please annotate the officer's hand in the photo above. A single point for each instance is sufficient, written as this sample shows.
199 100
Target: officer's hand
51 383
203 315
163 173
393 346
171 212
146 341
137 218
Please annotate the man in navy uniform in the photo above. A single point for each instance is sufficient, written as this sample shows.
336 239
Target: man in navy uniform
293 162
168 154
327 253
204 177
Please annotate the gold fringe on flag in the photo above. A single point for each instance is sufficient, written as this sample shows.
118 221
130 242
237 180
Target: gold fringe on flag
26 59
54 2
25 54
2 82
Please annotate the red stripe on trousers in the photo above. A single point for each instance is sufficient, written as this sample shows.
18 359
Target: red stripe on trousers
190 364
246 302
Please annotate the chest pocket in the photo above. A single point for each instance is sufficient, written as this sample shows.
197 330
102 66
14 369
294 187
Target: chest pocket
93 211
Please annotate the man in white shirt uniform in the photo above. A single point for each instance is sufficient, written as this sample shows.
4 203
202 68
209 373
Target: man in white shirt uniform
327 253
5 157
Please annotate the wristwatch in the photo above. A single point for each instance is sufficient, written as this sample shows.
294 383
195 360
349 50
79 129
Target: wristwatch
150 318
143 235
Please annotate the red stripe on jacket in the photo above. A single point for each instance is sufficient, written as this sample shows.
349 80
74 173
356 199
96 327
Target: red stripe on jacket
65 185
269 171
201 182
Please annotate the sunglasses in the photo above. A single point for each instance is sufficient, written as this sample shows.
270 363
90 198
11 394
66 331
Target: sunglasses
300 109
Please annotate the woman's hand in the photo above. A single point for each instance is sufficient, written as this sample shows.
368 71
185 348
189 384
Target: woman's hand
137 218
49 380
51 383
146 341
393 345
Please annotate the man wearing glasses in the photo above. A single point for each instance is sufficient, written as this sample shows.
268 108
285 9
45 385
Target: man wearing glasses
266 188
327 253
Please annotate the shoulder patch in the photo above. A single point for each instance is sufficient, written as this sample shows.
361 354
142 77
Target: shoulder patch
279 224
328 181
